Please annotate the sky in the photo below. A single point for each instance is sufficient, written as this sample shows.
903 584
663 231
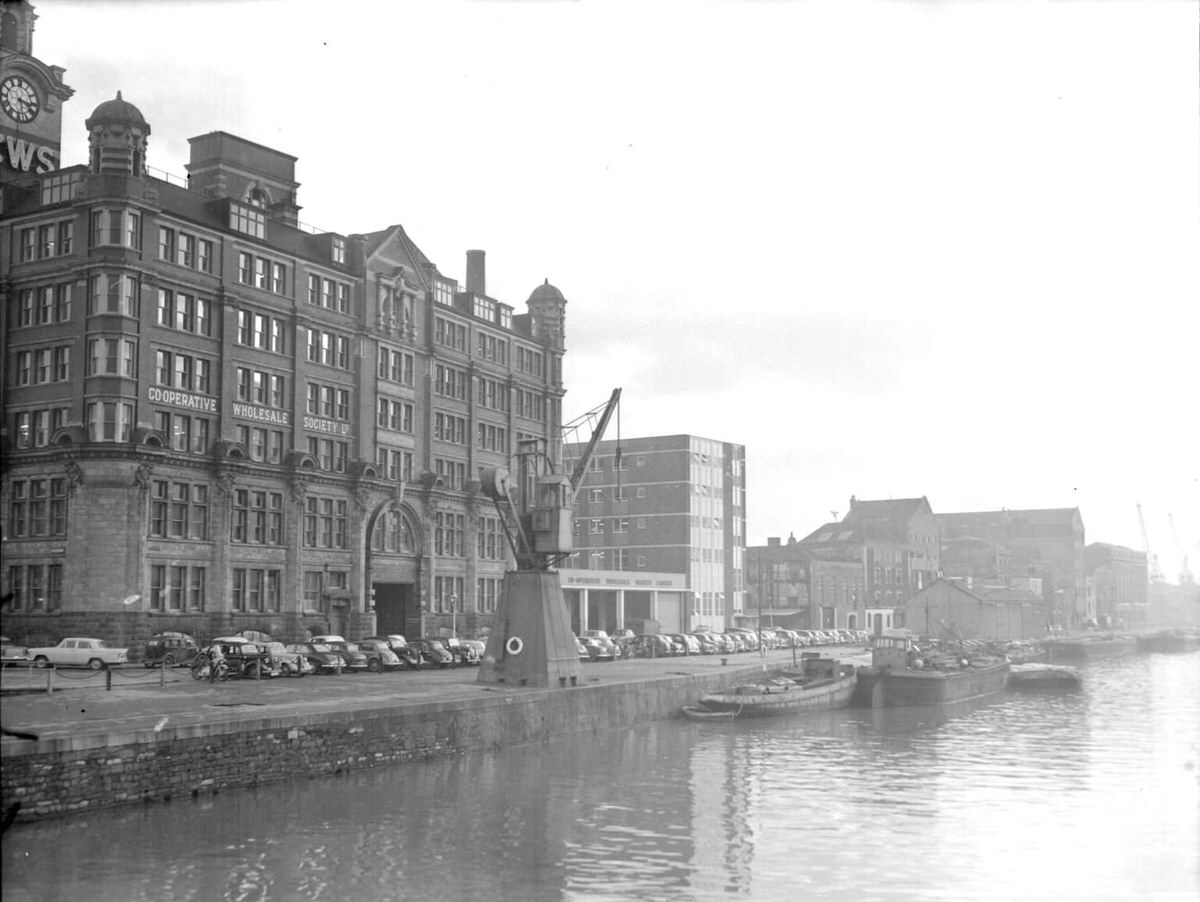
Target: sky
896 249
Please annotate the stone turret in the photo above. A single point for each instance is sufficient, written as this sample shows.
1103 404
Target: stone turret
117 133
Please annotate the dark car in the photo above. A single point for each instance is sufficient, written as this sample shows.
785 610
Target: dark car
409 656
322 657
464 655
352 658
379 654
652 646
169 649
433 653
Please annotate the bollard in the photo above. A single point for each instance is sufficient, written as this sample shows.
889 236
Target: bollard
162 672
50 680
107 679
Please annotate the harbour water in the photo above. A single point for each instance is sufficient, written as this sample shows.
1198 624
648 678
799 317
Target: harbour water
1078 797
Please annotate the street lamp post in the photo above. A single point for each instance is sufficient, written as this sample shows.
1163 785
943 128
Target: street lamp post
453 615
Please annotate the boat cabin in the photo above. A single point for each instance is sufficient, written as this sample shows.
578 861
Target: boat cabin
892 648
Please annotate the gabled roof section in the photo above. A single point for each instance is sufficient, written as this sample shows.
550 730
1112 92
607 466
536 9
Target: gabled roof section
388 247
1006 518
833 533
885 519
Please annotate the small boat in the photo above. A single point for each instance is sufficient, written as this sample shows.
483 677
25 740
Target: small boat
1086 648
822 684
696 712
1043 677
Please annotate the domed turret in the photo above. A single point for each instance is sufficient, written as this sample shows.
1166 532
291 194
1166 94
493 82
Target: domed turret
547 308
117 133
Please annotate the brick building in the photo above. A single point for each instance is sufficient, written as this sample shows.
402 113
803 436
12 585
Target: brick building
896 544
667 504
802 586
215 418
1120 582
1045 544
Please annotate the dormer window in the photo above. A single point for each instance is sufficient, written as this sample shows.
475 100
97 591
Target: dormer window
443 293
248 221
339 249
485 308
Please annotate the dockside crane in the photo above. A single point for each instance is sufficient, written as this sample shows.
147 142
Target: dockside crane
531 643
1185 574
1156 574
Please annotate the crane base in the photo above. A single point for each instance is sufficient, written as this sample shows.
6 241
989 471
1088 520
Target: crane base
531 643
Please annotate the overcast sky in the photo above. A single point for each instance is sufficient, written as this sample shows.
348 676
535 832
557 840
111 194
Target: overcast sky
894 249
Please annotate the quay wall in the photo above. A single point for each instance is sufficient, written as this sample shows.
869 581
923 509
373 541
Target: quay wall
59 776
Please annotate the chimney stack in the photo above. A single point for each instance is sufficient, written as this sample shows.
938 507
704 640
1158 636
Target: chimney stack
476 278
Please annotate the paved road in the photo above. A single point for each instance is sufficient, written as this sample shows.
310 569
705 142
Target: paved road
143 699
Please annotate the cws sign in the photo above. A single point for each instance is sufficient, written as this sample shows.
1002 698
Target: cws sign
23 155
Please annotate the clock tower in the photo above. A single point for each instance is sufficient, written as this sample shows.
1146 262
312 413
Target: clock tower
31 99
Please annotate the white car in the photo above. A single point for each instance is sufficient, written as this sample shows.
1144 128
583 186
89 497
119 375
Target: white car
79 652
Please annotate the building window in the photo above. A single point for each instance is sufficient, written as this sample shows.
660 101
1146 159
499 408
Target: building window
395 465
256 590
113 293
109 421
178 510
43 306
177 588
396 366
112 226
395 415
247 220
33 428
490 540
184 312
35 587
393 533
339 249
449 428
453 473
450 334
112 357
38 508
262 273
443 293
492 394
330 454
450 382
60 187
487 594
326 522
449 532
328 348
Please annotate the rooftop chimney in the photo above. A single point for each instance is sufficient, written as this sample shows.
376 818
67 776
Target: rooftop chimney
476 279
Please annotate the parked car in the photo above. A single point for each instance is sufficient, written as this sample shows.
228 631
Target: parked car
322 657
708 642
691 644
352 658
585 653
287 662
433 653
600 646
652 646
169 649
79 652
12 654
380 656
606 649
478 644
245 658
409 656
464 655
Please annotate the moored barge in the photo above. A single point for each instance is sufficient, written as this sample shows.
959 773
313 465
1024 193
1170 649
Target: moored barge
900 677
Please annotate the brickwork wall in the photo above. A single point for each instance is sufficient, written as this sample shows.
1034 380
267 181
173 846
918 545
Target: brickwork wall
58 777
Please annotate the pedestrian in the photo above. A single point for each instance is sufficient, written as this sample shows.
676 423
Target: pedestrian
216 660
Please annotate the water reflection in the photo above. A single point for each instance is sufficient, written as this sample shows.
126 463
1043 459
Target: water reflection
1089 796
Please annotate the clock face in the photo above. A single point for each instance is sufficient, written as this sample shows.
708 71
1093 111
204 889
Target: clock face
19 99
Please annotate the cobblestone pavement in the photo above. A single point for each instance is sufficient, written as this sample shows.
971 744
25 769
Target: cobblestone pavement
141 699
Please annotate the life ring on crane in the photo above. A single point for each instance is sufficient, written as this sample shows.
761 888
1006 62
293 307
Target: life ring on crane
514 646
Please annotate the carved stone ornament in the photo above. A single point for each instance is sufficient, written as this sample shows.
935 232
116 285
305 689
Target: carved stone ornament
142 476
74 477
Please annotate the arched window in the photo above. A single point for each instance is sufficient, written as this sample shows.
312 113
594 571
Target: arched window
394 533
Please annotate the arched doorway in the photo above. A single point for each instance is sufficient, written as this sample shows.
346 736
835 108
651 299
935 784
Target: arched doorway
394 567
